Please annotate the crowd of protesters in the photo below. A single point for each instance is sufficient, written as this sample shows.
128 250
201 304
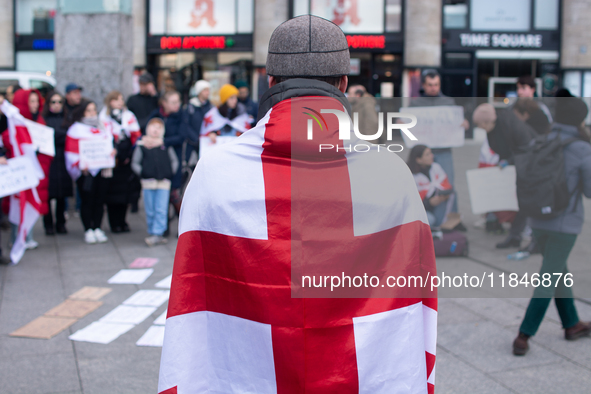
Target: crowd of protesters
152 136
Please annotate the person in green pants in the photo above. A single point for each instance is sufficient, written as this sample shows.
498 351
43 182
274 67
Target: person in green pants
556 237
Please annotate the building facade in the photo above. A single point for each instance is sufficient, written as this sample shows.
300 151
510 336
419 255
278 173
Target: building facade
478 46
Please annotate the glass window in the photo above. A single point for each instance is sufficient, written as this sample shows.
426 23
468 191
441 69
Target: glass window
42 86
301 7
35 61
572 82
245 16
157 17
455 15
546 14
500 15
35 16
5 83
353 16
393 15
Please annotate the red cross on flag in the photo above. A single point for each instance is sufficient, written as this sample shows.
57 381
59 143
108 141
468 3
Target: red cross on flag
267 210
212 121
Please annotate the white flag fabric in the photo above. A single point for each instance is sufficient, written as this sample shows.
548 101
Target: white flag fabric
212 121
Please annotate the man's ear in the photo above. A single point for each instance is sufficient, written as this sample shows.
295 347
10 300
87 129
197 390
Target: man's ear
343 84
272 81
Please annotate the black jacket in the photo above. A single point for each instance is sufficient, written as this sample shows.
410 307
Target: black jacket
142 107
60 183
509 134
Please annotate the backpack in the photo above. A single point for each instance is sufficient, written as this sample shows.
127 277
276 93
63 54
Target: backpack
542 192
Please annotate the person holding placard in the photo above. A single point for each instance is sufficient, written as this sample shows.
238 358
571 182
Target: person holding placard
90 157
124 187
434 187
29 103
60 182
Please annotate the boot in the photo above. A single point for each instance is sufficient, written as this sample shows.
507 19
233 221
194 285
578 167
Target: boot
520 346
577 331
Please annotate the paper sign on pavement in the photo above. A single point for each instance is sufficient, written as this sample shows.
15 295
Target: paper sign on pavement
42 137
153 337
161 320
101 332
90 293
44 327
18 175
165 283
96 154
492 189
133 276
437 127
128 314
143 262
74 308
148 298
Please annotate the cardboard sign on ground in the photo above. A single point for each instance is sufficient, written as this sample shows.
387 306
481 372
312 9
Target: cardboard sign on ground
74 308
143 262
90 293
44 327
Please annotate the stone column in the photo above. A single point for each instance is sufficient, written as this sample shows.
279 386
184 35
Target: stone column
6 34
422 33
576 35
268 15
139 32
95 50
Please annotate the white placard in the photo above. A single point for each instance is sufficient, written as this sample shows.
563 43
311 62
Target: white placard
165 283
153 337
18 175
148 298
128 314
206 146
161 320
42 137
492 189
96 154
131 277
437 127
101 332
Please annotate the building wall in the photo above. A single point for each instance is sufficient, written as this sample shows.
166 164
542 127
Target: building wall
96 52
268 15
576 34
422 33
6 34
139 32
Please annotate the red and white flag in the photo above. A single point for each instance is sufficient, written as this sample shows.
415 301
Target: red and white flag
263 208
129 125
25 207
79 131
437 180
212 121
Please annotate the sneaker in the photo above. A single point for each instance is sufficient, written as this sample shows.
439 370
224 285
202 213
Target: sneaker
100 236
160 240
151 240
32 244
89 237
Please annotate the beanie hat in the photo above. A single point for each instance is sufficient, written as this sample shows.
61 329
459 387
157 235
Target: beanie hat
201 85
241 83
570 111
308 46
226 92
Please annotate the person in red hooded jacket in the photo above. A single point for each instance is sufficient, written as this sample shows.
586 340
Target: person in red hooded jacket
29 102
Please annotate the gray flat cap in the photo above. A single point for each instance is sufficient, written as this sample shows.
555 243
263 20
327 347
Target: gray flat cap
308 46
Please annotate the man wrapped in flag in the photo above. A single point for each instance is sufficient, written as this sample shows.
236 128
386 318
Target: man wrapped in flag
27 206
280 275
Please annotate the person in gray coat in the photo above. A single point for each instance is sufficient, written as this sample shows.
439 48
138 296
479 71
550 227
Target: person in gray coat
556 237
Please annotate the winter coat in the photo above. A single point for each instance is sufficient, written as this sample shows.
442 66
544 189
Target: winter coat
195 113
124 186
230 114
577 166
175 134
430 181
60 182
252 108
142 106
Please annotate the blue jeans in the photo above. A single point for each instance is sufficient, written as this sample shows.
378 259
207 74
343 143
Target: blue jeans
156 205
444 158
438 214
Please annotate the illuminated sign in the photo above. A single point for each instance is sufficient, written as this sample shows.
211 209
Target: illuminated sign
41 44
486 40
366 41
196 42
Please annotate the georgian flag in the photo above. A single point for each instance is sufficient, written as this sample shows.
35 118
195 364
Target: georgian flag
24 207
488 157
79 131
438 181
214 121
129 126
261 209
